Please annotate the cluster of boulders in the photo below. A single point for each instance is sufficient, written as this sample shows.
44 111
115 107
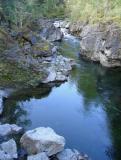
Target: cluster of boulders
39 144
8 149
58 69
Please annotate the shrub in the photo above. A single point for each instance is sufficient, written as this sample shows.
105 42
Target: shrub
94 10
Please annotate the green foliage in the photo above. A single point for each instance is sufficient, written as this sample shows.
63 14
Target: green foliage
94 10
20 12
53 8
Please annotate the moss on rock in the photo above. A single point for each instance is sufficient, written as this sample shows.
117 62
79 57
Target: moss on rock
12 75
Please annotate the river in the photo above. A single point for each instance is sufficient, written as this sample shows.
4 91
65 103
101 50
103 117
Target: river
86 110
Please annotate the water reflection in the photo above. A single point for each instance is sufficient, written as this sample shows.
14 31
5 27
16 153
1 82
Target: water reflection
14 111
102 86
86 110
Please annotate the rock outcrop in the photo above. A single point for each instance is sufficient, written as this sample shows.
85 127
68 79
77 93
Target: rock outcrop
76 28
102 43
99 42
48 30
42 140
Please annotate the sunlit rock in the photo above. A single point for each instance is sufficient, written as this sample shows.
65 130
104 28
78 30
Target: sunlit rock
42 140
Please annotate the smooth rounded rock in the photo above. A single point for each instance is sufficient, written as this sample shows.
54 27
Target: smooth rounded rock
42 140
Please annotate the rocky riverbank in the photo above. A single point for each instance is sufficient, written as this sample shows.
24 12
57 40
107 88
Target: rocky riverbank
33 50
38 144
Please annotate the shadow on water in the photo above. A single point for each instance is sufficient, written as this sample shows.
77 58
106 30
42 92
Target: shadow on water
86 110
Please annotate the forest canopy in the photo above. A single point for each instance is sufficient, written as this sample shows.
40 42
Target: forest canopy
21 11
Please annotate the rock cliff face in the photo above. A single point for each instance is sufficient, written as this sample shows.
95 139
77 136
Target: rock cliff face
99 42
102 43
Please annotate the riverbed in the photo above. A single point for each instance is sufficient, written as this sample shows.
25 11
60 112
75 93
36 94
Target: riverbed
86 110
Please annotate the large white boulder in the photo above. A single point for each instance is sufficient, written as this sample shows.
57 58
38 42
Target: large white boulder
42 140
39 156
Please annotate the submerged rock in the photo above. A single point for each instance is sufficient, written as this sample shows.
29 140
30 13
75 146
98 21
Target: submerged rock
40 156
69 154
7 129
102 43
42 140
